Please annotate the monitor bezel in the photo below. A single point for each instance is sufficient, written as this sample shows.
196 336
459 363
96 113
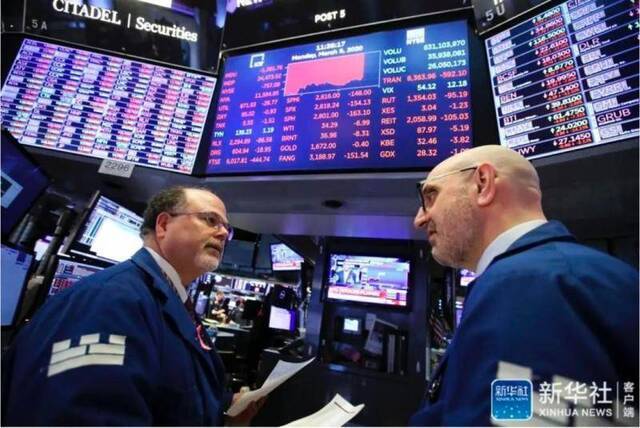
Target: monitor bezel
72 238
12 42
483 131
19 309
30 158
398 308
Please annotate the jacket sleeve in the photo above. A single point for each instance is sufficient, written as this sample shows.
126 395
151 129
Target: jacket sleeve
87 358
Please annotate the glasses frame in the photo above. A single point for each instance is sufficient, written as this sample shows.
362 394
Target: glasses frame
420 184
204 216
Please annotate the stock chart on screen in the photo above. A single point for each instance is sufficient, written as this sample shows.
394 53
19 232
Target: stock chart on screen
567 78
392 100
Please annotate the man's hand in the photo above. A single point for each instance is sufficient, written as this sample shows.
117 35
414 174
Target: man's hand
244 418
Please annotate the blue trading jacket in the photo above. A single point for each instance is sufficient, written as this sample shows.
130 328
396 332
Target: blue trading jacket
118 348
549 304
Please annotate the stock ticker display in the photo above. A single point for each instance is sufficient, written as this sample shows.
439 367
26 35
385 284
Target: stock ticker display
387 100
567 78
103 106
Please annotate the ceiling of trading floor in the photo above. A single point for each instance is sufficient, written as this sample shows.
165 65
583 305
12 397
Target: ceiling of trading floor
594 191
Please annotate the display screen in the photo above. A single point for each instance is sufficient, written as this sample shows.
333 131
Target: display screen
388 100
69 272
15 268
110 232
238 253
88 103
567 78
22 182
284 258
352 326
281 319
367 279
466 277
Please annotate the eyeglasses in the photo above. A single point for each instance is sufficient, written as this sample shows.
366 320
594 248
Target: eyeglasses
212 220
428 198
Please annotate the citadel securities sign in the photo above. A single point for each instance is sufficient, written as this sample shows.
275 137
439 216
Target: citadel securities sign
112 17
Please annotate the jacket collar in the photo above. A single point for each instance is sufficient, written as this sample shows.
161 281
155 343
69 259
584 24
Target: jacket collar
172 307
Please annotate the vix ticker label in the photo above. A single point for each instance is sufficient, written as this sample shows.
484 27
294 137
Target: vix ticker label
511 399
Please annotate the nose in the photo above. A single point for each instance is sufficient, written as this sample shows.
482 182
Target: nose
222 233
421 220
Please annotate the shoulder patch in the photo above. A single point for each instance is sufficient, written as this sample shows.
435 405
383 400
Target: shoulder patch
90 351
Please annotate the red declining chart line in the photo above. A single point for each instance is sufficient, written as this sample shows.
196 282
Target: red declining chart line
336 71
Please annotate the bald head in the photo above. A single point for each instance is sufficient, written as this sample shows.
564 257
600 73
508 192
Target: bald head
471 198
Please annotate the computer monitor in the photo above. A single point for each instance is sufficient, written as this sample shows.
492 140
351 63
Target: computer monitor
282 319
466 277
352 325
67 273
368 279
16 267
23 181
567 78
238 253
284 258
109 232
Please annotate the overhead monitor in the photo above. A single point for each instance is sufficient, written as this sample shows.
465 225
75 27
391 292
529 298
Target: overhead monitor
94 104
390 100
23 181
109 232
282 319
284 258
254 22
16 266
68 272
567 78
368 279
238 253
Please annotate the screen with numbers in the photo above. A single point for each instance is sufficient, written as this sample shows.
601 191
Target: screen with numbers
391 100
88 103
567 78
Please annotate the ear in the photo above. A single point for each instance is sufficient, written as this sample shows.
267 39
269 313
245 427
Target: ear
161 224
485 181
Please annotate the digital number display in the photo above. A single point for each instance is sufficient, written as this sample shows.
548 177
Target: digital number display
567 78
103 106
388 100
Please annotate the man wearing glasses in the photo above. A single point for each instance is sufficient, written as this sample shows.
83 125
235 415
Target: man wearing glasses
123 346
543 308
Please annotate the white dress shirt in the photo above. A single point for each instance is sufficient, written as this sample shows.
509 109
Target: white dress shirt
171 273
504 241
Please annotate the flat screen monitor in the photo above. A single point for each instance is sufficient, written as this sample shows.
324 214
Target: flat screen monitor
238 253
567 78
282 319
104 106
390 100
67 273
352 325
368 279
284 258
16 266
23 181
109 232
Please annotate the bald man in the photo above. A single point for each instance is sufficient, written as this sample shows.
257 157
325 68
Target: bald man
542 306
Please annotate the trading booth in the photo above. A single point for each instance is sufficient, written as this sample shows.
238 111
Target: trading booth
312 120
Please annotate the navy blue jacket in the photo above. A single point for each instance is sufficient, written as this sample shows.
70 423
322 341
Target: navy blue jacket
118 348
549 304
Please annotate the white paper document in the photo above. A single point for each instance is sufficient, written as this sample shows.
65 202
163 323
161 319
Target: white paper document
335 414
280 373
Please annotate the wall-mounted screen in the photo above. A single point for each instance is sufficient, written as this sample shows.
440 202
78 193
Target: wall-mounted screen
284 258
22 182
389 100
93 104
110 232
16 265
368 279
567 78
67 273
